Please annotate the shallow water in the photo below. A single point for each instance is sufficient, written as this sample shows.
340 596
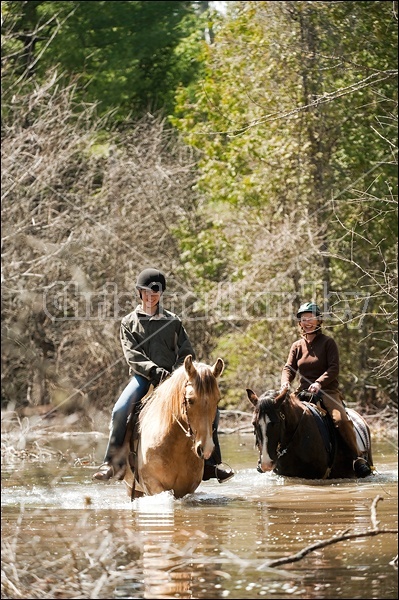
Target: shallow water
87 540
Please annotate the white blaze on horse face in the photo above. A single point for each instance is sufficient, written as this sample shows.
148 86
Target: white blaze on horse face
203 445
266 462
209 446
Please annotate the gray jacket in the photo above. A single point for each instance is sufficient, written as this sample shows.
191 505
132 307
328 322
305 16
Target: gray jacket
158 341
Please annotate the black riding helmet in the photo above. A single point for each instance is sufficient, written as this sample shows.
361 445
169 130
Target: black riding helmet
308 307
151 279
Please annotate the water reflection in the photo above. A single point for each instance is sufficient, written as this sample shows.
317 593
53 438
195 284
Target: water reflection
177 554
212 544
154 519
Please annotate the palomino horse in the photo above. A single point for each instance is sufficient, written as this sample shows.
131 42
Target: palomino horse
297 439
175 432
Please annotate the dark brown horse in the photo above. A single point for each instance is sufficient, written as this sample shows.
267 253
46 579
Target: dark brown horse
297 439
176 432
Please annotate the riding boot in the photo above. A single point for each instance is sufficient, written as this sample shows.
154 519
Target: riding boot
109 470
348 435
212 466
213 471
114 465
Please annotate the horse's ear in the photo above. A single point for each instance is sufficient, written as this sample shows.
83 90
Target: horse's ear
280 395
253 397
218 367
189 366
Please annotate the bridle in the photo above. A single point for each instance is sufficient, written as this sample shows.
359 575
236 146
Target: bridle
188 432
280 452
277 417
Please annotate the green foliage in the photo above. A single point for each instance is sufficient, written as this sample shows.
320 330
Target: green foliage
296 123
125 55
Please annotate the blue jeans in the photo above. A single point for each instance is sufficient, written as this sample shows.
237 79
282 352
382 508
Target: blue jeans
135 390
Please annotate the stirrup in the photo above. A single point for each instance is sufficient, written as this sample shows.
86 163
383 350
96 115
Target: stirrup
221 474
104 473
107 471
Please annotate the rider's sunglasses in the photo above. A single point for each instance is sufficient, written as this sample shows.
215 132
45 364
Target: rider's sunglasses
154 288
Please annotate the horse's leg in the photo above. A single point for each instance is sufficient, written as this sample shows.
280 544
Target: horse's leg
151 481
169 466
149 468
134 490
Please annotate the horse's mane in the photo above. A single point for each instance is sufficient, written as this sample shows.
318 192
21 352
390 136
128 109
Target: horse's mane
267 403
166 402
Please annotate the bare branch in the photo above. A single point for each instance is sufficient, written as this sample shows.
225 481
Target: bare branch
339 537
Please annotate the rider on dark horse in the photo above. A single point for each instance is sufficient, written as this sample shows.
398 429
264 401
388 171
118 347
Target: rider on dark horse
315 357
154 343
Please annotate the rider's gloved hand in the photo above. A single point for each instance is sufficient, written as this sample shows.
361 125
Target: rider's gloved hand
314 388
285 387
158 375
314 392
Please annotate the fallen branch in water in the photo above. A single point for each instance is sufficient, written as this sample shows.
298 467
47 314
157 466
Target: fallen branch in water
339 537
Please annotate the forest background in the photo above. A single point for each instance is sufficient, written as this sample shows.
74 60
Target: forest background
249 152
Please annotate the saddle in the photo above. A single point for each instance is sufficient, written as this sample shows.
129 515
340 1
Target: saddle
315 399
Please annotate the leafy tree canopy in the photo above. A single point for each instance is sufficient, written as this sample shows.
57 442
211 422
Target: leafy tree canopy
125 54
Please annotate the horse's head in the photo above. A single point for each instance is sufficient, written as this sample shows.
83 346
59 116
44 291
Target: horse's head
201 398
267 419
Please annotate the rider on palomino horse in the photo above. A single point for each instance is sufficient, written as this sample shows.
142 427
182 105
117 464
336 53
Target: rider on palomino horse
315 357
154 343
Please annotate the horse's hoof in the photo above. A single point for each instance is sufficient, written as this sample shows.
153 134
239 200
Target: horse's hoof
361 467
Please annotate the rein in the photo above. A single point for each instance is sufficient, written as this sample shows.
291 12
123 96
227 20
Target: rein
285 450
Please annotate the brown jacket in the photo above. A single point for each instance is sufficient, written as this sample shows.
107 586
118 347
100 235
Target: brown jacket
315 361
